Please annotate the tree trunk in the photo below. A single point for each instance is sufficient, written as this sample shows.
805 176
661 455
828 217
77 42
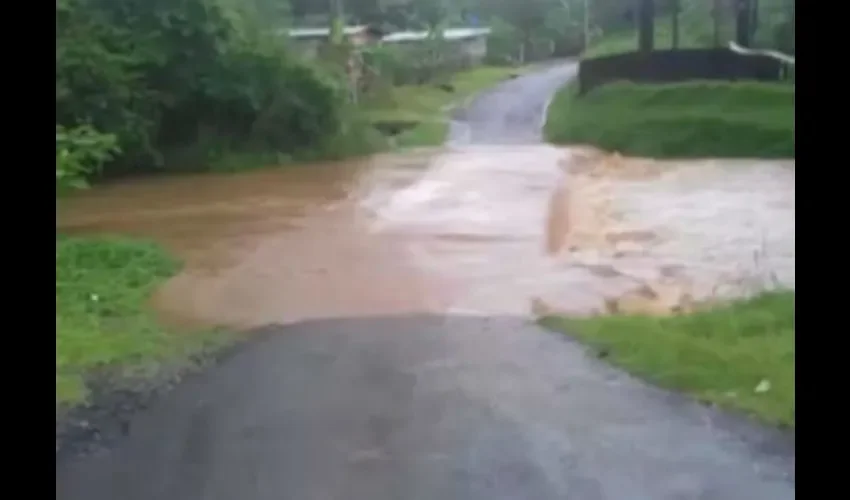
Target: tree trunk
646 26
793 25
715 15
742 25
337 22
754 18
674 18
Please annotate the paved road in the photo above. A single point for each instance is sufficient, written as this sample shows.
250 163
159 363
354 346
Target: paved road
513 112
431 408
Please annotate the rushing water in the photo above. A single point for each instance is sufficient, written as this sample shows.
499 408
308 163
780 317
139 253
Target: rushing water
479 230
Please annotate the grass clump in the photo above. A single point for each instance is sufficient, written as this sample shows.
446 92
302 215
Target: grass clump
685 120
429 105
102 321
720 355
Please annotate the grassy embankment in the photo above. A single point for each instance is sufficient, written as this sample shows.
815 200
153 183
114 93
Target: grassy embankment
426 108
695 119
102 320
722 355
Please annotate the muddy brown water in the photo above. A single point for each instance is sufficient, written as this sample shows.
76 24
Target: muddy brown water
478 230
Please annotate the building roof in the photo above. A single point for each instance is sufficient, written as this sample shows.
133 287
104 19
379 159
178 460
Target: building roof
324 32
449 34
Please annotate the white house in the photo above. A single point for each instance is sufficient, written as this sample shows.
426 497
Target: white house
472 42
308 40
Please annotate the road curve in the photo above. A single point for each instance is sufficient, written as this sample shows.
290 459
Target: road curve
513 112
431 408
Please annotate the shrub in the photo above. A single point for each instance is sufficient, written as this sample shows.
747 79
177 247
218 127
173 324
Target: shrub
161 75
80 152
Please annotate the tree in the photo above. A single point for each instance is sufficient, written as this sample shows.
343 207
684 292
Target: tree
646 25
675 10
743 26
715 14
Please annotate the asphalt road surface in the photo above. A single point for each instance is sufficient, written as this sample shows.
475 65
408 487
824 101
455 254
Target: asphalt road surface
513 112
433 408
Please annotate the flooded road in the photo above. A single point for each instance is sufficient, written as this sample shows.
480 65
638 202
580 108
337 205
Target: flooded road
386 404
469 228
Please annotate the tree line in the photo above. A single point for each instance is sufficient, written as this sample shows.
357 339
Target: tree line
145 85
140 82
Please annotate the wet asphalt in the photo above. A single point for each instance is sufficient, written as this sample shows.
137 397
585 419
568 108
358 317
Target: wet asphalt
430 408
513 112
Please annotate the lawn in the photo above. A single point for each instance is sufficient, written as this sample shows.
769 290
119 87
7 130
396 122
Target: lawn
738 356
427 107
685 120
102 320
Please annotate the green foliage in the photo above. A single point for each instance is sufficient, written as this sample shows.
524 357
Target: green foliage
697 119
534 29
160 75
699 26
80 152
503 43
102 289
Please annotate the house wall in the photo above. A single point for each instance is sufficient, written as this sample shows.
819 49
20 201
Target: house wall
475 49
309 46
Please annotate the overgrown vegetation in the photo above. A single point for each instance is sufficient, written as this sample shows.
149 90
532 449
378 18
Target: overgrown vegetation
180 84
80 152
102 320
696 119
740 355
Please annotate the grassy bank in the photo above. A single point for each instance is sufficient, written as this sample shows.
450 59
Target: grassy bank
102 320
695 119
427 107
720 356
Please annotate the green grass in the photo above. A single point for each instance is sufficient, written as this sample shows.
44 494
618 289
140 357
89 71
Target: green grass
102 319
429 106
719 356
687 120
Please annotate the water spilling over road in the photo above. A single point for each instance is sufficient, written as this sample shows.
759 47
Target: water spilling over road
442 406
473 228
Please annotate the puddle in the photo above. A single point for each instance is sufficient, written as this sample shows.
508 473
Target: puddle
482 230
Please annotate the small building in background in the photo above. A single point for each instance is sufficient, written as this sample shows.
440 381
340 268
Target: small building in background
309 40
470 42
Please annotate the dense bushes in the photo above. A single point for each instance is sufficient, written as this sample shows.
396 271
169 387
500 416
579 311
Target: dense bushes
80 152
164 75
